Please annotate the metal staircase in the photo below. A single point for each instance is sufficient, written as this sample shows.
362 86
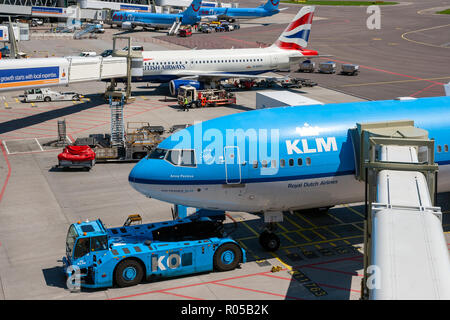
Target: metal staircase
174 28
90 28
117 125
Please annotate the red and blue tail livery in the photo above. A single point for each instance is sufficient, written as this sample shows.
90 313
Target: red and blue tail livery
296 34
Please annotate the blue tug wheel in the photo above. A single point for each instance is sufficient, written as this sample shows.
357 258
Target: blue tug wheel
128 273
227 257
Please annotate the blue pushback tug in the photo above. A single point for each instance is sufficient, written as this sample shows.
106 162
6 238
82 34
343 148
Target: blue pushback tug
124 256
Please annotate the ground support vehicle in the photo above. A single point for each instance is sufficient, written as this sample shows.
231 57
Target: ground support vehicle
219 28
140 139
307 66
185 32
124 256
204 98
205 28
47 95
291 83
350 69
76 157
307 82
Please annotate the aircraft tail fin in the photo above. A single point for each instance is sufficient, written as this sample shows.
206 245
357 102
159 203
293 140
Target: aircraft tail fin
296 35
193 9
271 5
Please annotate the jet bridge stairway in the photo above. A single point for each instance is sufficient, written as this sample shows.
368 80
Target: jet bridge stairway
405 251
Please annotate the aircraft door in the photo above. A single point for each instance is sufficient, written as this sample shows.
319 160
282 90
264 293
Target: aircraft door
274 61
232 165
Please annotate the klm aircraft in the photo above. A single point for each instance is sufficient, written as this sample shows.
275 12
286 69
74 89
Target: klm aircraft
219 13
280 159
129 20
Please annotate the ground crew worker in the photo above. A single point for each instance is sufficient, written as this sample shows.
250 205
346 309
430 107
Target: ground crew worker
185 104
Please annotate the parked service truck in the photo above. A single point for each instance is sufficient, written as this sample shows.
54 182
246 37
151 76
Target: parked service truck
204 98
45 94
124 256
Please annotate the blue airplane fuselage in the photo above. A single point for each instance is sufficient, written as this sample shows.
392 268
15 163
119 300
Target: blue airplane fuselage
237 13
308 160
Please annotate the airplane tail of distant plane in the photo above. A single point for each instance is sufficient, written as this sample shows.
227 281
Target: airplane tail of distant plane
296 35
271 5
191 14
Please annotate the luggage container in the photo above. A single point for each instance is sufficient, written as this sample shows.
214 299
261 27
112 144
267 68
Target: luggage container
350 69
327 67
307 66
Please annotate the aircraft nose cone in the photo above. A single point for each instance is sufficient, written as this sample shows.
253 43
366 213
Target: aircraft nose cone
137 175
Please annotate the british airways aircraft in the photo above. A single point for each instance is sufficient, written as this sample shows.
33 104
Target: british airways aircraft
129 20
197 67
219 13
280 159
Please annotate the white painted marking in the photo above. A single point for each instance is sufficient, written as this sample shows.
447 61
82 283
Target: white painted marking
37 141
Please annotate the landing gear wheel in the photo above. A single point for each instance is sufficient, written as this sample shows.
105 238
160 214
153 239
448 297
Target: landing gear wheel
269 241
227 257
128 273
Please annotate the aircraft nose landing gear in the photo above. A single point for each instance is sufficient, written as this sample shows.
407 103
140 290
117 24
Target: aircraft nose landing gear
268 239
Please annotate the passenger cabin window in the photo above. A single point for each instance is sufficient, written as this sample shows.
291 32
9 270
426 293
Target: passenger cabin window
282 163
300 161
446 148
273 164
264 163
308 161
291 162
255 164
439 149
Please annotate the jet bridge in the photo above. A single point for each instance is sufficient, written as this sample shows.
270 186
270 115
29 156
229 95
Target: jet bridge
405 251
47 72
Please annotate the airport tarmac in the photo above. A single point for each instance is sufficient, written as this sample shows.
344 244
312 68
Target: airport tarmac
320 255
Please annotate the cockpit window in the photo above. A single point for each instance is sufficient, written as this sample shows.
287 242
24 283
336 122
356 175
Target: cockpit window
187 158
184 158
157 154
173 156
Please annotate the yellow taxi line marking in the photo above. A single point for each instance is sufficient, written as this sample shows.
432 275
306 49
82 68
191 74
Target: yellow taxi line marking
423 43
302 235
250 228
336 235
353 210
287 237
281 227
357 227
292 222
281 261
306 220
319 242
320 236
335 218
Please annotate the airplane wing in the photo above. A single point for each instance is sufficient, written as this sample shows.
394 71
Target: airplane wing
204 75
